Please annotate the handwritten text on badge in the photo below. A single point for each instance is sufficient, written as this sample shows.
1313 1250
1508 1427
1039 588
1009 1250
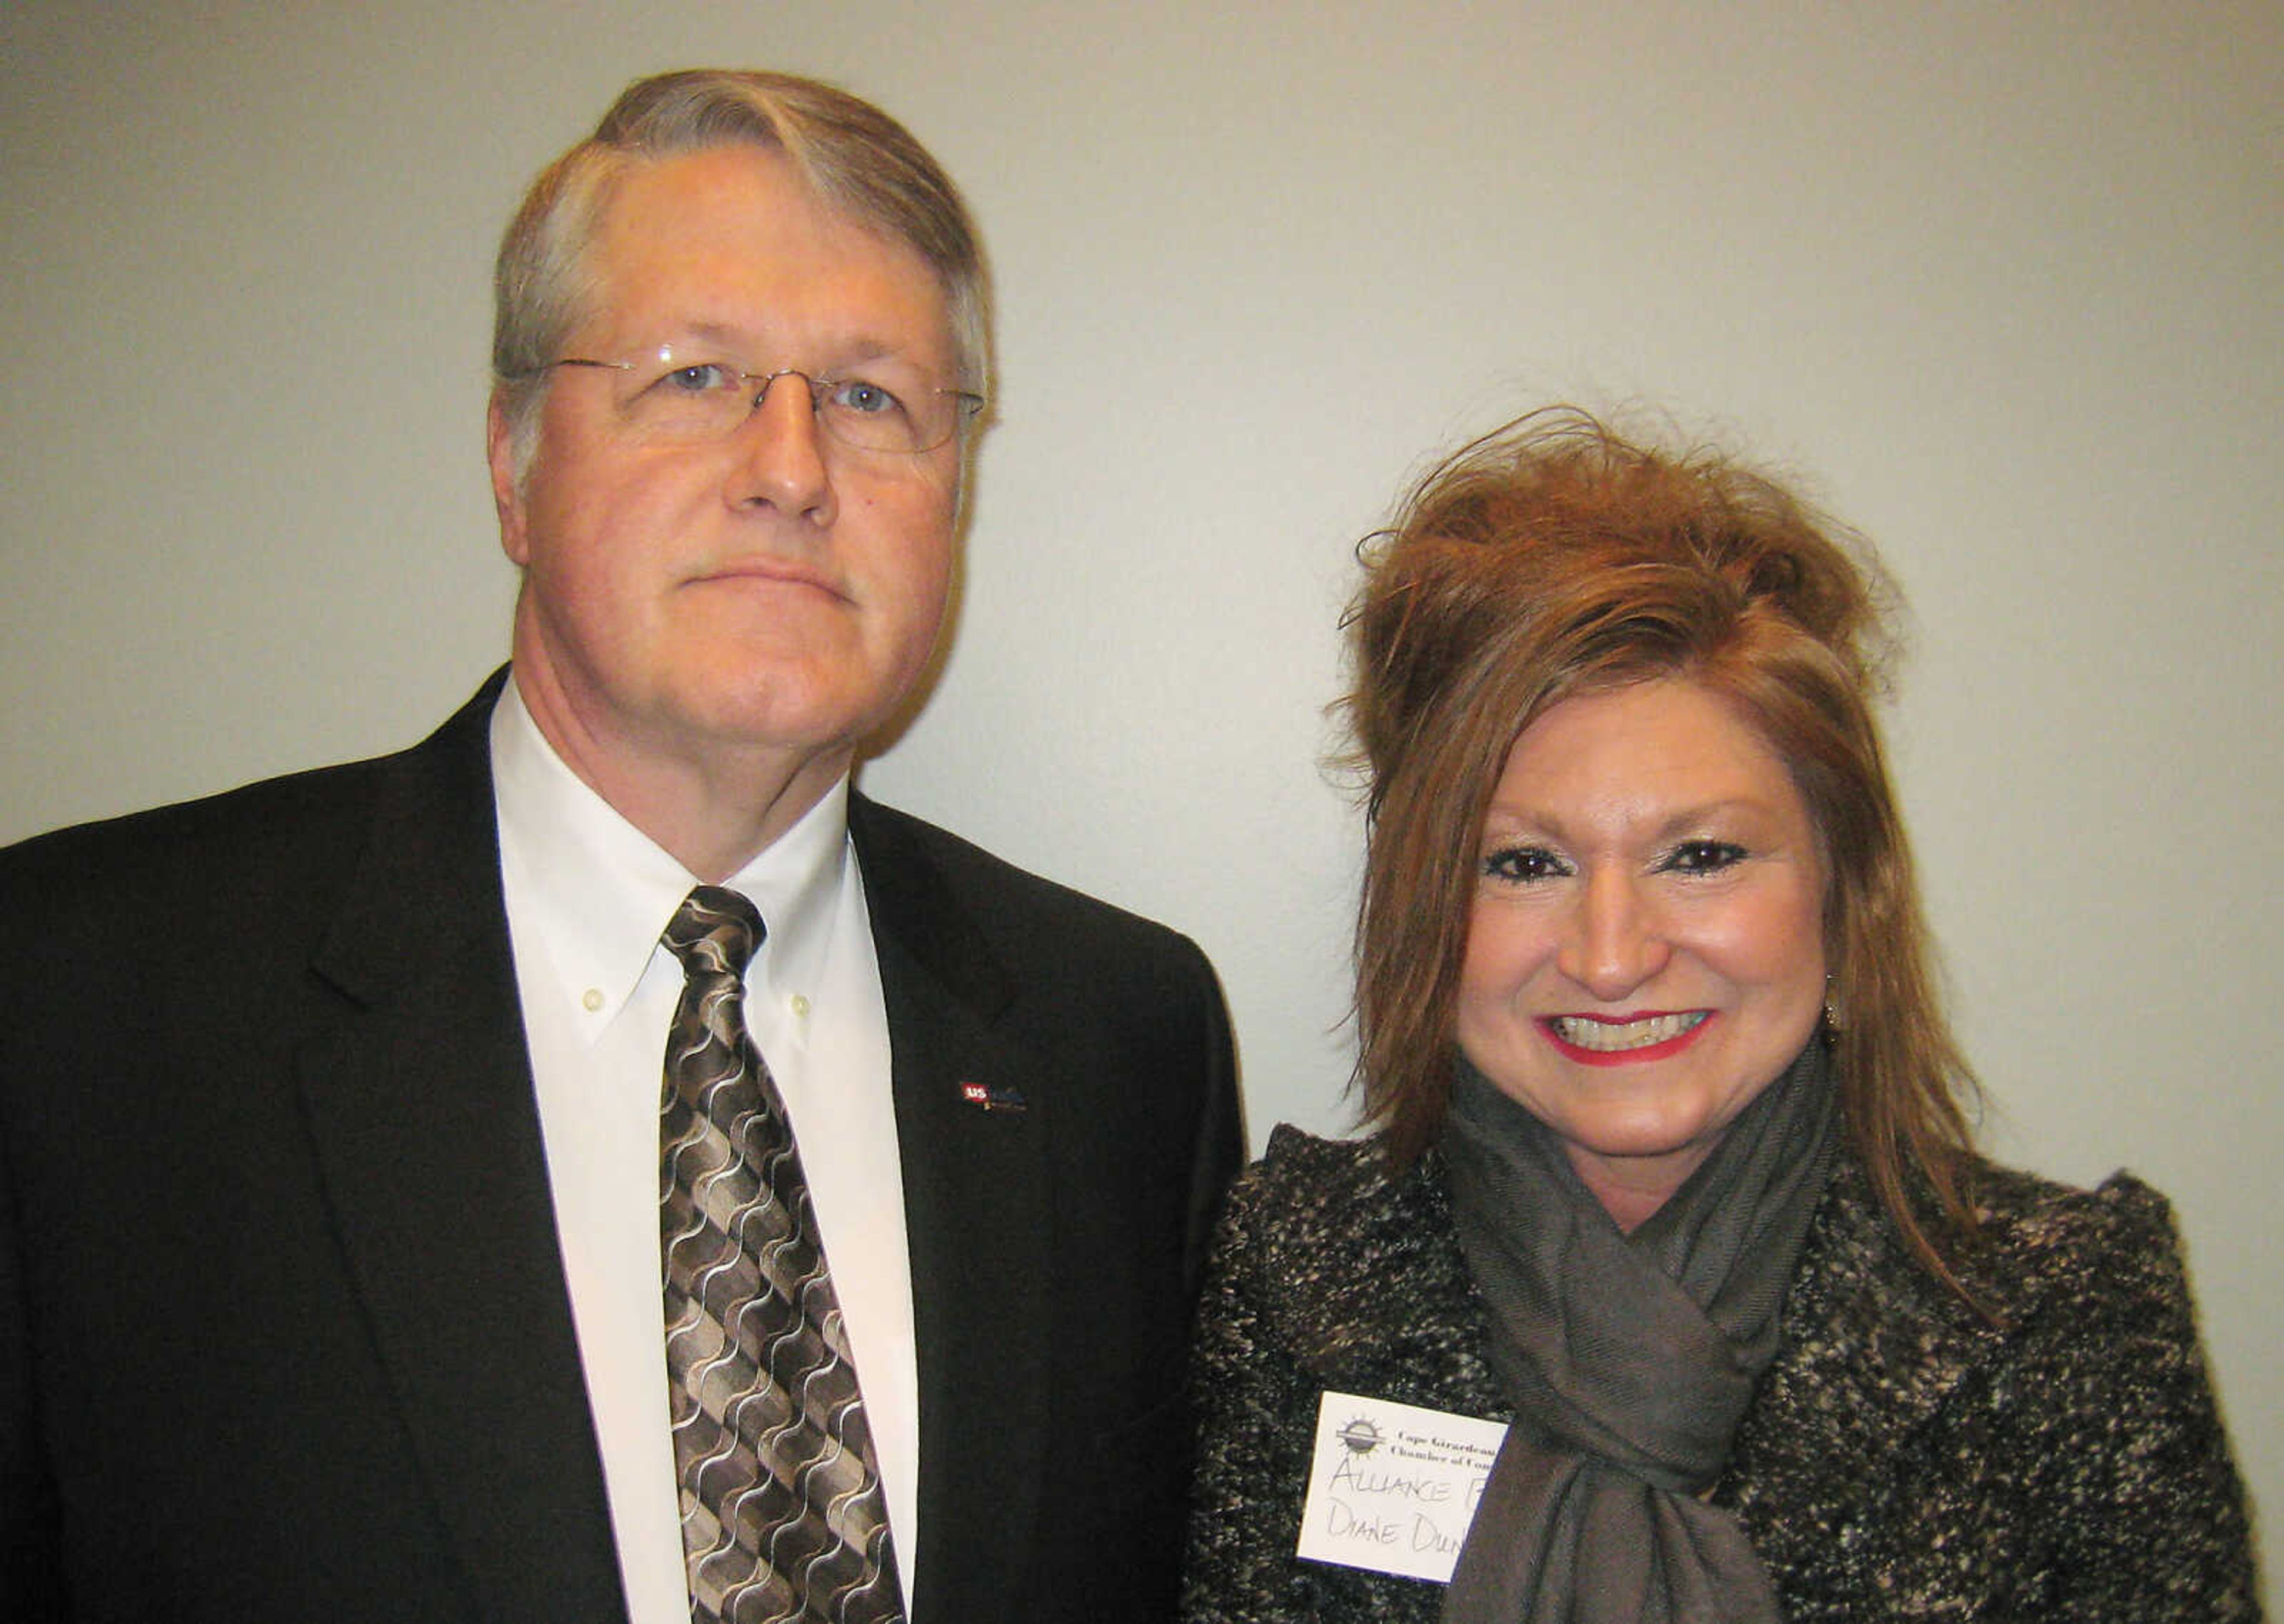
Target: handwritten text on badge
1392 1487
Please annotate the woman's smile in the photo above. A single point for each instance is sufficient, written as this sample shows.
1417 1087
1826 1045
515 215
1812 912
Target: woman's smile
1607 1039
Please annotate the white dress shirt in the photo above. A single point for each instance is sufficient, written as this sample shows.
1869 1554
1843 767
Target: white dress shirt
588 896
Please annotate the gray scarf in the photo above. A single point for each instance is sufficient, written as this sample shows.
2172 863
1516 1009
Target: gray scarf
1629 1359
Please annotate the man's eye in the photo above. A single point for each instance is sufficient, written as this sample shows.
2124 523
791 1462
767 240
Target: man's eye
1704 856
1522 864
864 398
699 378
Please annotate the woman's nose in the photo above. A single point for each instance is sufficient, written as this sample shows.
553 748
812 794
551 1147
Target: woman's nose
1615 943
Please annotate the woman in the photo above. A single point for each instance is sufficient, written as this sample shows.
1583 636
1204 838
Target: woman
1669 1169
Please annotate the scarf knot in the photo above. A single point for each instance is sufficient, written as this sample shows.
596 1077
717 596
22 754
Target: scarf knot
1630 1360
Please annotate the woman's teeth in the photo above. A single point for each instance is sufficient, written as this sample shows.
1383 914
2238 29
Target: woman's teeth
1605 1036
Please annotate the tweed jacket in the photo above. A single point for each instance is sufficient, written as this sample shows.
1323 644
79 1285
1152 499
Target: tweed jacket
1903 1457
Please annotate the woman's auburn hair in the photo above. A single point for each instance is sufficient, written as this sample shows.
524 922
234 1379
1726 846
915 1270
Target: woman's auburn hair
1553 558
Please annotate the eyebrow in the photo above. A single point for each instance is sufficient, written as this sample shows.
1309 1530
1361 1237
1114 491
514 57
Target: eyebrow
1497 819
862 350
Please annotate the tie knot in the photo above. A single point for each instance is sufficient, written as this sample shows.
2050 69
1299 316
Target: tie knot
715 931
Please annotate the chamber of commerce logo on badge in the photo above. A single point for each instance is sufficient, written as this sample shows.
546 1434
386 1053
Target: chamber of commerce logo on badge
1361 1436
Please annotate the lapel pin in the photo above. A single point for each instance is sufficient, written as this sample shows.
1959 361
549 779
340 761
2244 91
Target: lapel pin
993 1096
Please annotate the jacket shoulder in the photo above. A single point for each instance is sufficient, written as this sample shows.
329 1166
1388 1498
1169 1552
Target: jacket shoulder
260 837
2052 1452
898 847
979 923
2041 1246
1339 1199
1319 1192
246 859
1356 1266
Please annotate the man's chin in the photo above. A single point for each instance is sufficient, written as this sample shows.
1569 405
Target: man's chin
787 715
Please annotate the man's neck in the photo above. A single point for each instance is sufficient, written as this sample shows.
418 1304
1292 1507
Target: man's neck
713 809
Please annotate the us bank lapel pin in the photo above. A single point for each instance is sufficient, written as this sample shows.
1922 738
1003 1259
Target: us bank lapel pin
993 1095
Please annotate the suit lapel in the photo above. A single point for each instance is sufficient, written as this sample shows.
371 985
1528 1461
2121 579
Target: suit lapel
1872 1347
420 1105
976 1222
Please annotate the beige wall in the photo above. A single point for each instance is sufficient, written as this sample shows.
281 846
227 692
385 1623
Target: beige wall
2000 279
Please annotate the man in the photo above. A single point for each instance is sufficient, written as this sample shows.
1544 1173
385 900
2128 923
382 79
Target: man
330 1234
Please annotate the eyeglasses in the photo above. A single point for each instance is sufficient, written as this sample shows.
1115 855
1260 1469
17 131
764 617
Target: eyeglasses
676 397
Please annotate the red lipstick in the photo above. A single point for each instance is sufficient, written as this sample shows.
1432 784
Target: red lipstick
1697 1021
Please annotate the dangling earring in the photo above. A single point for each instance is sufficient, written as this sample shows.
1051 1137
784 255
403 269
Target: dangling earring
1832 1025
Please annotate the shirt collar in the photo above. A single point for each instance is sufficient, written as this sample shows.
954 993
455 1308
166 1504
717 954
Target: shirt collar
601 892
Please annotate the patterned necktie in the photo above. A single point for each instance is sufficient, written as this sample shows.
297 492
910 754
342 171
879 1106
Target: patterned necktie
782 1514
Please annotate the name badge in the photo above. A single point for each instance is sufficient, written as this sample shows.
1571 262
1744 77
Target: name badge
1392 1487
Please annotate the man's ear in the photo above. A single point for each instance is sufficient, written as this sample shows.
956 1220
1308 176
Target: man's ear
507 484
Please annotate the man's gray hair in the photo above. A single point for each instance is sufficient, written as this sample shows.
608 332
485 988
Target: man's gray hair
855 157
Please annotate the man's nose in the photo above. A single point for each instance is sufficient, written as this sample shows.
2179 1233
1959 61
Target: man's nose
781 451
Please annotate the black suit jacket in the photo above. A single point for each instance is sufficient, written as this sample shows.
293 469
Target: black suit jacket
283 1327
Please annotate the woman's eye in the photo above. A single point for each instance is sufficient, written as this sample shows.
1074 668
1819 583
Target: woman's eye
1523 863
866 399
1704 856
